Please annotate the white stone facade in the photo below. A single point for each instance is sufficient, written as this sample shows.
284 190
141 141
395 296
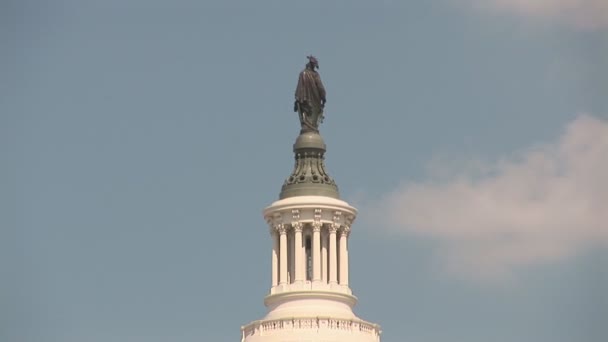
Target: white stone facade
310 298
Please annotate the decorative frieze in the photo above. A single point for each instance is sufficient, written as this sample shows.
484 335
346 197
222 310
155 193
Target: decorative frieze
295 214
318 214
317 323
337 219
312 214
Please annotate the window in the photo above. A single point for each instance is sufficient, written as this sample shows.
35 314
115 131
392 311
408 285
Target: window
308 258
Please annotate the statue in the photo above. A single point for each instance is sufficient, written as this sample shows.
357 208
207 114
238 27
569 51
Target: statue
310 97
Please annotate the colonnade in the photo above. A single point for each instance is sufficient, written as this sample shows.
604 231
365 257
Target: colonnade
315 252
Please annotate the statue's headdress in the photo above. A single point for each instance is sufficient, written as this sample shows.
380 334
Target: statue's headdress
313 60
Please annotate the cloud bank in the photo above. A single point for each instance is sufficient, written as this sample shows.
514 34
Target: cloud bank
545 204
586 14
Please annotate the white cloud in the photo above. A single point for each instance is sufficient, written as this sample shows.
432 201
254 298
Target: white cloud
543 205
581 13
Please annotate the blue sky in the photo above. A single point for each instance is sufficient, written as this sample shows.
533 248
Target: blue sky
140 141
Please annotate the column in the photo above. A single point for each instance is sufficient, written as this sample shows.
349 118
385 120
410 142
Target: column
316 251
324 261
275 258
344 255
333 255
291 275
283 254
299 264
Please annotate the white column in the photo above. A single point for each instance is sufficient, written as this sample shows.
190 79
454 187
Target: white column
333 255
299 264
291 276
275 257
324 260
283 254
316 251
344 255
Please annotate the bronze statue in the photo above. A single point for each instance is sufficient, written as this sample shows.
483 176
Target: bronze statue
310 97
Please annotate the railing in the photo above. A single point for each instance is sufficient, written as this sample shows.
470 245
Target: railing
311 323
308 285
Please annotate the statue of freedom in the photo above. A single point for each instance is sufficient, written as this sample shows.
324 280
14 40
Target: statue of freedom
310 97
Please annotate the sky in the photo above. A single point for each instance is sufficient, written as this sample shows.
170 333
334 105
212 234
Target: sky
141 140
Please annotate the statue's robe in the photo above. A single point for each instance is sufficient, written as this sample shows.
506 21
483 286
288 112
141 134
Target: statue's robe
310 98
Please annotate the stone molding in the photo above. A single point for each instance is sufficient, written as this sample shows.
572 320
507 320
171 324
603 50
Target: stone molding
269 327
295 218
310 209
